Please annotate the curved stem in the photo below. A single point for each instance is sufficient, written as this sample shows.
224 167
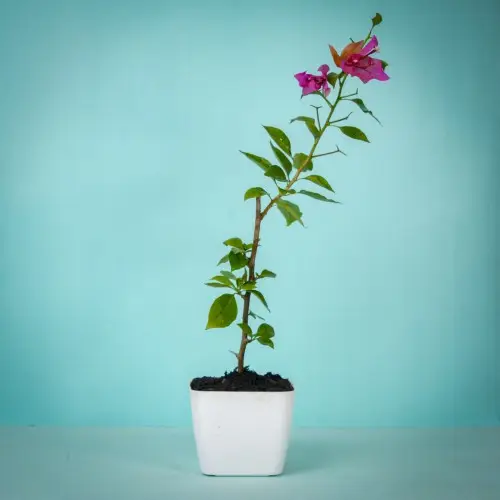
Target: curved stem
259 217
251 277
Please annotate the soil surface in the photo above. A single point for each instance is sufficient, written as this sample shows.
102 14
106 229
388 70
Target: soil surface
248 381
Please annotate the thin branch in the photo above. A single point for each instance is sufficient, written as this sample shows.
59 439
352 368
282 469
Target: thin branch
317 108
325 99
350 95
340 119
330 153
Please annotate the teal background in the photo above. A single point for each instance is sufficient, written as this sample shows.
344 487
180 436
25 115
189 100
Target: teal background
120 177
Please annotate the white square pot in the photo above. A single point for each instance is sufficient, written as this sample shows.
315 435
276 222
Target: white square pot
242 433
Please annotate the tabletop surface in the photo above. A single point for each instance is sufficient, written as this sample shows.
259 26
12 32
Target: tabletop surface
160 463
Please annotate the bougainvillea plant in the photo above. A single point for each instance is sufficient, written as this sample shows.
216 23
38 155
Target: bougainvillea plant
290 170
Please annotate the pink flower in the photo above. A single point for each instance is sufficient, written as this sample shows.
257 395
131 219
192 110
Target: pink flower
313 83
355 60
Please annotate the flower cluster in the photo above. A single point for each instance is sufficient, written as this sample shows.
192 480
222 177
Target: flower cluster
354 60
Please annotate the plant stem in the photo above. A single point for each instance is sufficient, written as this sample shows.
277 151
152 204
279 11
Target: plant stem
251 277
313 149
259 216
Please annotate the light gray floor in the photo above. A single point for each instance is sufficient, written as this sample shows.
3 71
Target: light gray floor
337 464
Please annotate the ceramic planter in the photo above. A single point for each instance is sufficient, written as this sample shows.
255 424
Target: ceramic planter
241 433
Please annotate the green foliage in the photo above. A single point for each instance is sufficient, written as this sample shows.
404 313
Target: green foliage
265 273
320 181
332 79
266 342
316 196
217 285
285 163
290 211
249 285
235 243
222 279
354 133
264 335
223 260
229 275
265 330
245 328
377 19
255 316
363 108
254 192
237 261
258 160
304 119
280 138
286 192
276 173
223 312
310 124
244 278
261 298
299 160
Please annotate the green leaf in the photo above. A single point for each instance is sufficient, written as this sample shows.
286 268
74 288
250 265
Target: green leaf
265 341
217 285
234 242
332 79
260 297
255 316
283 160
229 275
313 129
237 261
376 20
286 192
304 119
363 108
384 64
276 173
254 192
258 160
245 328
223 312
250 285
320 181
267 274
299 159
354 133
316 196
222 279
265 331
280 138
310 124
223 260
290 211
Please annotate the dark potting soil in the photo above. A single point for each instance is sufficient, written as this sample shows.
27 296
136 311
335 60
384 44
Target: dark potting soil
248 381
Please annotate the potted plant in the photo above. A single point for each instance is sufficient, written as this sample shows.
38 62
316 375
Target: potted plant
242 420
